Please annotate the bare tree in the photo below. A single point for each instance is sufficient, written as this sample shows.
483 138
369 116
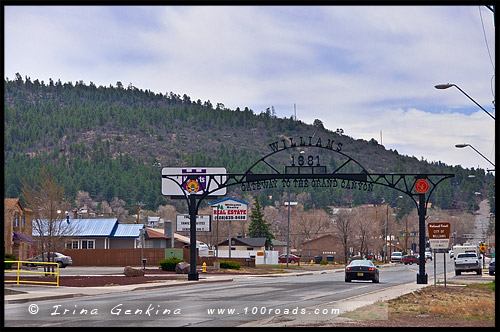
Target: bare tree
118 208
366 231
44 198
309 224
344 225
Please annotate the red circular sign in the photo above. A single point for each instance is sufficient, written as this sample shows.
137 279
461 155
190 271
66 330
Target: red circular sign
422 186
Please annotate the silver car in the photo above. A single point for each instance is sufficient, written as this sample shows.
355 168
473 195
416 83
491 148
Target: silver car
55 257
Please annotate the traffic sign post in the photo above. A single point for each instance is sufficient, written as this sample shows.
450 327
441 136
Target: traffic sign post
482 247
439 238
439 235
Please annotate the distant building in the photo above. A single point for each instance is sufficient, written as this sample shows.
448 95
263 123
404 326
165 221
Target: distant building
18 223
99 234
323 246
238 243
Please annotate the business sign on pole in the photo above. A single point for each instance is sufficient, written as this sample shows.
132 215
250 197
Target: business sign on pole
439 235
184 223
178 181
229 209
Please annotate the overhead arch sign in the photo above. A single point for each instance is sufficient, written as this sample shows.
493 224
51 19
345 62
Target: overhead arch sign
196 181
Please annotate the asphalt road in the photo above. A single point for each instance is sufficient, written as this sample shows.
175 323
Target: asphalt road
241 302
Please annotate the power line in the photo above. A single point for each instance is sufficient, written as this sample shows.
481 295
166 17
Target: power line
486 40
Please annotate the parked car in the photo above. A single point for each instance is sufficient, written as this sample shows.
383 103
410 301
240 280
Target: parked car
362 270
491 267
292 259
55 257
428 255
396 257
410 259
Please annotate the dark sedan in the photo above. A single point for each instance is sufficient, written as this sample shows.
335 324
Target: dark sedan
491 267
361 270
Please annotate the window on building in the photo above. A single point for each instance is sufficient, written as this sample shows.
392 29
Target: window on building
16 220
72 244
249 248
88 244
22 222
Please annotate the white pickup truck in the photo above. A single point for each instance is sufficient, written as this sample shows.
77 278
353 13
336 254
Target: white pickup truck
467 262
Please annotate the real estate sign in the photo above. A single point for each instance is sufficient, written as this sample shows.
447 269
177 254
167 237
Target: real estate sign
229 209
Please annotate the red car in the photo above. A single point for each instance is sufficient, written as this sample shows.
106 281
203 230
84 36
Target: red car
410 259
292 259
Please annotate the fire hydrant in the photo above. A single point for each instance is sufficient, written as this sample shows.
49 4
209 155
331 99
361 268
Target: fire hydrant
204 267
312 262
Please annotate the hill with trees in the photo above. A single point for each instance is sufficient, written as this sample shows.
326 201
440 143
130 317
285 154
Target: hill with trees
108 142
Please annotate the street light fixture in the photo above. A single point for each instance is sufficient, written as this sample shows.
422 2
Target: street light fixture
460 146
449 85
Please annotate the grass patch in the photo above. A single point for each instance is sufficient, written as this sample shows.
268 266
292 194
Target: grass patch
476 302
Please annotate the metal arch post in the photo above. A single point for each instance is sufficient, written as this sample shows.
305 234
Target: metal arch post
193 211
421 276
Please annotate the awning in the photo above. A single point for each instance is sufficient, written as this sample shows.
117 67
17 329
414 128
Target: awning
21 237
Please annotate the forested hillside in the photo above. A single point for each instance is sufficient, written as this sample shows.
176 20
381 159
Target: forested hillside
107 140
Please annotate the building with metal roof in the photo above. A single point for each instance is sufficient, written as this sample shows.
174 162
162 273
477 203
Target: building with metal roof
105 233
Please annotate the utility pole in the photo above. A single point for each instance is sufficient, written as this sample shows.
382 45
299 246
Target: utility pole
139 204
406 235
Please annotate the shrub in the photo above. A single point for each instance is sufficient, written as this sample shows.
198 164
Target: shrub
230 265
8 257
168 264
323 263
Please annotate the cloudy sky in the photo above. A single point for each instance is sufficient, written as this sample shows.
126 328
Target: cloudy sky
368 70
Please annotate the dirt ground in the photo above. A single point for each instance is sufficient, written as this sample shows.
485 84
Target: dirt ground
471 305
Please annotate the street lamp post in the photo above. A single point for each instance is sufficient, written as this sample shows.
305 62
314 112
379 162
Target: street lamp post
449 85
386 228
460 146
288 231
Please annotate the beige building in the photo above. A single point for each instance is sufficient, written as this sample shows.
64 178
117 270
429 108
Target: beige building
18 224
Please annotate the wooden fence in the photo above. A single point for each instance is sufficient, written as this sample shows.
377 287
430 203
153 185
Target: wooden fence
132 257
115 257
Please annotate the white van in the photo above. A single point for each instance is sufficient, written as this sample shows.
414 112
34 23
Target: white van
397 257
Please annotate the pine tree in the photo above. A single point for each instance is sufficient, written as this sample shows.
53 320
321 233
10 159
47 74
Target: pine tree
259 227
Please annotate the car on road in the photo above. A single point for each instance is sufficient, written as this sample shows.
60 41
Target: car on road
362 269
292 259
428 255
396 257
410 259
451 253
55 257
491 267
